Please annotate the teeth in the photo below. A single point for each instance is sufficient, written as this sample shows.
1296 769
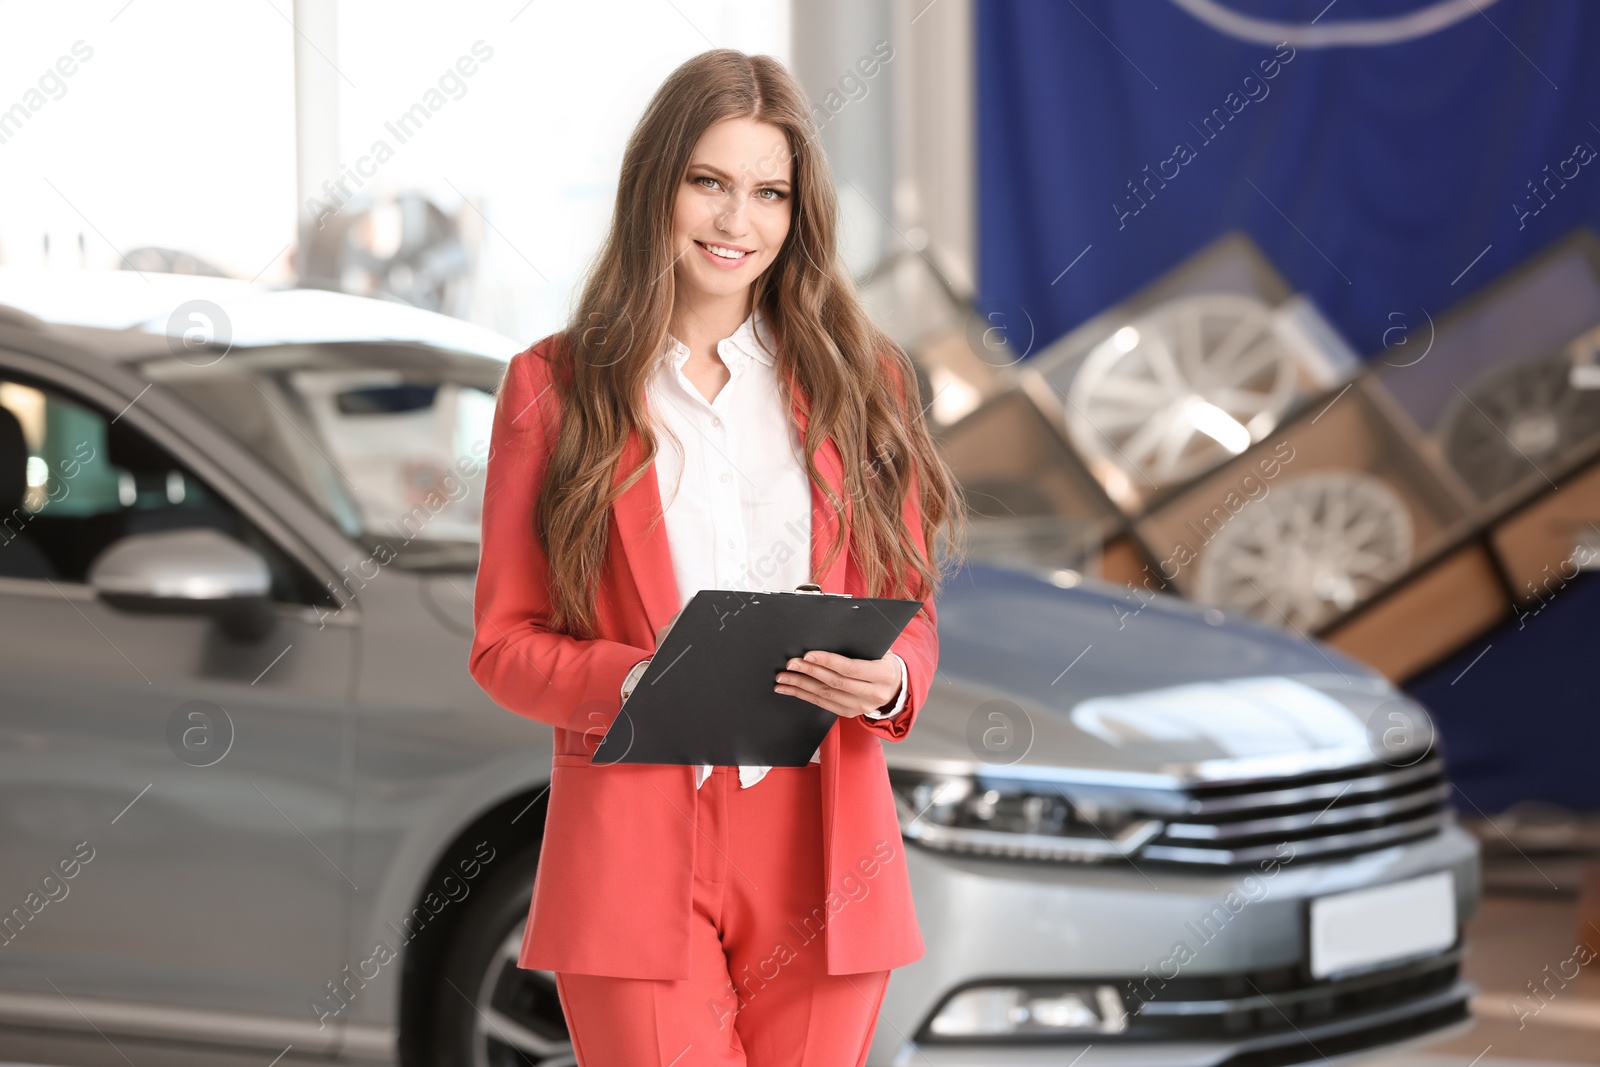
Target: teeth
725 253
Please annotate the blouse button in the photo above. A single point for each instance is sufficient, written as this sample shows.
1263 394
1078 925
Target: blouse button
726 477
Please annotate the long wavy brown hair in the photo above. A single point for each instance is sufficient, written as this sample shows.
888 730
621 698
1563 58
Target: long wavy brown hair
860 386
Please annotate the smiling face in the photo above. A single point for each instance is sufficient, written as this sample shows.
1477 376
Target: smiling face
733 209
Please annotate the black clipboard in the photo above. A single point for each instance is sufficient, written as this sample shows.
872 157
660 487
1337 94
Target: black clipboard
707 695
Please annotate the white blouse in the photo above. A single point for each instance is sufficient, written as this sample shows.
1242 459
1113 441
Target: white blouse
735 497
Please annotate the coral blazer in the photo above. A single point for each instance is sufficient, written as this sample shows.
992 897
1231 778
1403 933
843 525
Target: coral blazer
612 892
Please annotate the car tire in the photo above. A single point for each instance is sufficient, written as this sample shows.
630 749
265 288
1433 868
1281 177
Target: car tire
488 1012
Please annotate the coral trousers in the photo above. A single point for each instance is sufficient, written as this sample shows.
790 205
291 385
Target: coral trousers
758 992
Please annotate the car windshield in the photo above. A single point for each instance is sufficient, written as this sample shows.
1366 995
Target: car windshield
389 440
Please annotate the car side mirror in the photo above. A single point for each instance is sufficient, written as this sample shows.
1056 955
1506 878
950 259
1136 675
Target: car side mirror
188 572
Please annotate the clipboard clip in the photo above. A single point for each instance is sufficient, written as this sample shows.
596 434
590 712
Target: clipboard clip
811 588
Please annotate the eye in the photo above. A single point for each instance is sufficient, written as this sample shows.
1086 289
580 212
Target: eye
705 178
777 194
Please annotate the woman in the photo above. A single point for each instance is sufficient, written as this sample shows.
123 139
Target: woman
713 915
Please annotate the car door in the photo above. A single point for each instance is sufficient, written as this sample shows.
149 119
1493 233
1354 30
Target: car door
172 799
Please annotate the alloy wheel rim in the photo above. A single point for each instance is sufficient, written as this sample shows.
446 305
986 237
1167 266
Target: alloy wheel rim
517 1015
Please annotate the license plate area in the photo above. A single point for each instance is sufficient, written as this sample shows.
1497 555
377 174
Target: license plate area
1367 929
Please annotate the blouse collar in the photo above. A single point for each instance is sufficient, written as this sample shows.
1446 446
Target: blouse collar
753 340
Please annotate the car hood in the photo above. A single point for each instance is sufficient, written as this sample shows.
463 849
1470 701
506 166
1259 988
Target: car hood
1097 683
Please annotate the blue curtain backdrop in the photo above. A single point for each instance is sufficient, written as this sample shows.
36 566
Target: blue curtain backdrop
1376 178
1520 721
1393 166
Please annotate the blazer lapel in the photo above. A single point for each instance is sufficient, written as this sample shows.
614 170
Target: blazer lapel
823 517
649 557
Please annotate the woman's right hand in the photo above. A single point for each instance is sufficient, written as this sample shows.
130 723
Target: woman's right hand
637 672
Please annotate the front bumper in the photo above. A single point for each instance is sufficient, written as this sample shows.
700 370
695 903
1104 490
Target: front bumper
998 920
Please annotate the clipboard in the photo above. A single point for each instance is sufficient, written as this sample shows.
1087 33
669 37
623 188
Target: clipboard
707 696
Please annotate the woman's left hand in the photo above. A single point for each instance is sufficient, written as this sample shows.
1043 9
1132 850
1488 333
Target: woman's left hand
847 687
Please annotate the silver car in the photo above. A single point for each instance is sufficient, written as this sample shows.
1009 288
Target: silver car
252 802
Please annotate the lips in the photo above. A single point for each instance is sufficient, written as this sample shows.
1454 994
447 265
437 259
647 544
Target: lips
725 256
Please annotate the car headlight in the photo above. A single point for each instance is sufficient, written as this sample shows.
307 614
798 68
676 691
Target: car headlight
1030 1011
1021 819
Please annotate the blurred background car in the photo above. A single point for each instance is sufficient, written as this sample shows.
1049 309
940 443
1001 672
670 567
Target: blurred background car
237 579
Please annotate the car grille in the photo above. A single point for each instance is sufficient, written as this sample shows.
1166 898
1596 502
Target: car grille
1209 1007
1320 815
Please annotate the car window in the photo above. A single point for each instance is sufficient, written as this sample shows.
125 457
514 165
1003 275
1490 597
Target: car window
74 480
389 441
